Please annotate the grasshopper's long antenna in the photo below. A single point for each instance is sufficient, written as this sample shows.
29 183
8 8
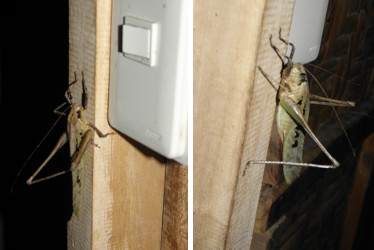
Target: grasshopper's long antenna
325 70
336 113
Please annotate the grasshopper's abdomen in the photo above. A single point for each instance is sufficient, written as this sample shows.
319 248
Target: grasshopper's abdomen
291 132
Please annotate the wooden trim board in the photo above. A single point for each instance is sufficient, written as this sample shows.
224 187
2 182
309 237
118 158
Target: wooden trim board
233 113
175 219
124 185
357 197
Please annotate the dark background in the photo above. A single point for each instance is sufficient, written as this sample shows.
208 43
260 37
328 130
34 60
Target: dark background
34 77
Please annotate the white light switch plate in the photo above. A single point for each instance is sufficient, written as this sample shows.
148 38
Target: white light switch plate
148 101
307 28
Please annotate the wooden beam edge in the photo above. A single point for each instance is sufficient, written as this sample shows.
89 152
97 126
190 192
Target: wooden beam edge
277 14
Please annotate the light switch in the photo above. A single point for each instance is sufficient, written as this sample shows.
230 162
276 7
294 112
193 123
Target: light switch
139 40
136 41
307 28
148 80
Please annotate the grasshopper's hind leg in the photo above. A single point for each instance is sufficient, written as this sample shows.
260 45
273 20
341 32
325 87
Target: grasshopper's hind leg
61 142
315 99
298 164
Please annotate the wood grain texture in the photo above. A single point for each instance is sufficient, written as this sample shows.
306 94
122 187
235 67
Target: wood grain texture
82 59
232 115
260 240
124 184
175 218
261 107
225 46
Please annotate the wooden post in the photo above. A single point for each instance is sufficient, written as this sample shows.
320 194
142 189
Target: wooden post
233 113
356 200
124 184
175 219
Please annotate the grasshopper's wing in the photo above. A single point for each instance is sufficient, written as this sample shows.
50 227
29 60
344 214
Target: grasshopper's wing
296 113
293 145
78 168
293 137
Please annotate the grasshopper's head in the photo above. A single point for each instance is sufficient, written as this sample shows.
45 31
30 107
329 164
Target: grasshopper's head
297 67
292 69
75 113
293 74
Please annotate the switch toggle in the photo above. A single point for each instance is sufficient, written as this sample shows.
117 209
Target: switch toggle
139 40
136 41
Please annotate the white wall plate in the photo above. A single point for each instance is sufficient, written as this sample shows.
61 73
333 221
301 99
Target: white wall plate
148 81
307 28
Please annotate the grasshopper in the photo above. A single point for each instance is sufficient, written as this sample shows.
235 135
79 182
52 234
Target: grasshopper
79 133
294 99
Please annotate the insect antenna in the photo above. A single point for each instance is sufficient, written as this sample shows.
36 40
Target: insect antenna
325 70
362 113
36 148
336 113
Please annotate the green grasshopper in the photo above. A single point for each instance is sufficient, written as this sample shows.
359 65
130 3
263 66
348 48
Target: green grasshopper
294 100
79 134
